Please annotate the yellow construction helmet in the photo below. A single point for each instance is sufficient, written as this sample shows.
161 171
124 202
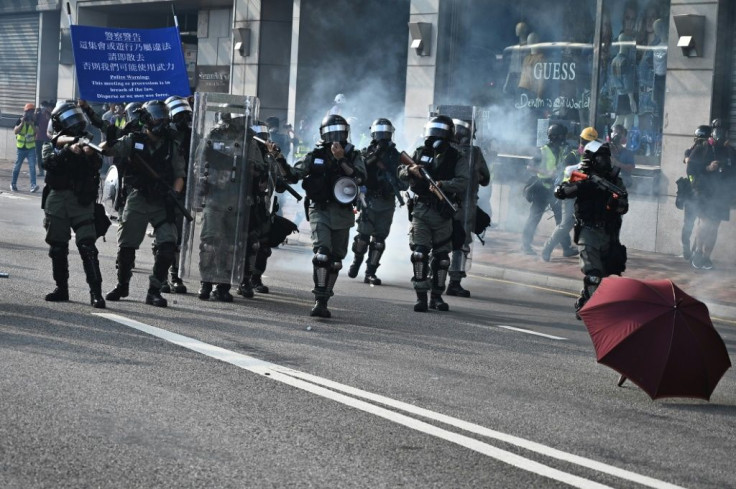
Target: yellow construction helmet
589 134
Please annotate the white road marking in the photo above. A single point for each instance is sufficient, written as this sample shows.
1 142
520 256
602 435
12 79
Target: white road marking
11 196
322 387
529 331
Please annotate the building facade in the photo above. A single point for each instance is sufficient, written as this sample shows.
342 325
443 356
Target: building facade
659 68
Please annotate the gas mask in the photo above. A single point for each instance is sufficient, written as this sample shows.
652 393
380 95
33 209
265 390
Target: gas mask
158 129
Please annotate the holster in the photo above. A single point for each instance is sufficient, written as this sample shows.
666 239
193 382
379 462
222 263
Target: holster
44 195
576 231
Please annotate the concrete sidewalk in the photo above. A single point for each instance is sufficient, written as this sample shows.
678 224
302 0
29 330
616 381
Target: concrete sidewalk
501 258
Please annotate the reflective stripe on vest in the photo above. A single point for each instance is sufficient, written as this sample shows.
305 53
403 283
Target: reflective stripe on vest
26 138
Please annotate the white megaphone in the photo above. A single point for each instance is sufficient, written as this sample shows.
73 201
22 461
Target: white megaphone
345 190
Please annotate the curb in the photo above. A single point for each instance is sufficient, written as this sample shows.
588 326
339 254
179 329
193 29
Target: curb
718 311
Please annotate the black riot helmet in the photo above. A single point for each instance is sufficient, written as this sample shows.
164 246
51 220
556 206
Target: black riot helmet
439 127
462 131
68 118
382 130
132 117
597 158
556 133
703 132
260 129
179 110
334 129
155 116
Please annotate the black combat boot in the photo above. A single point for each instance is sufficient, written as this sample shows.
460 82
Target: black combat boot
88 252
59 253
246 288
125 262
205 290
177 284
370 275
258 284
320 308
454 288
153 298
421 304
222 293
436 302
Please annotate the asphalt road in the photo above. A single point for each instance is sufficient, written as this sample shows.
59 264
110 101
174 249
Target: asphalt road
256 393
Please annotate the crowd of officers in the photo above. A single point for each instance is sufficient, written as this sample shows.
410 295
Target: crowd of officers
151 153
443 175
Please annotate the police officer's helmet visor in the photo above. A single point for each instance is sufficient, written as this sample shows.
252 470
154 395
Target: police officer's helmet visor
334 133
462 130
437 129
178 107
72 117
382 131
261 130
157 113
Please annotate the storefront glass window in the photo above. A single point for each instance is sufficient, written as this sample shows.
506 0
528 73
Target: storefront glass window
632 70
528 64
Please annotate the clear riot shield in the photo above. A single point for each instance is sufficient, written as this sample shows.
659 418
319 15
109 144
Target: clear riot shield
110 192
461 262
219 187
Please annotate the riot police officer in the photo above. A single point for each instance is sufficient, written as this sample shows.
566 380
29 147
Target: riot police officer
263 188
225 164
598 211
713 170
430 237
180 114
549 167
72 180
378 203
155 165
464 222
331 173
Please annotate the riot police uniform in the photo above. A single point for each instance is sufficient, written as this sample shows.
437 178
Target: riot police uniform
148 201
72 180
465 217
378 203
598 220
181 129
263 188
431 221
330 174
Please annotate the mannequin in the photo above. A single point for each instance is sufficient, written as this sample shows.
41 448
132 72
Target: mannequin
623 82
528 82
660 63
516 56
647 104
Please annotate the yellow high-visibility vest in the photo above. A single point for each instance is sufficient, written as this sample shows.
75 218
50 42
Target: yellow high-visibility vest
26 138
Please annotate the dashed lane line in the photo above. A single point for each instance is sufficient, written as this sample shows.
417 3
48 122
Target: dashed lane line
337 392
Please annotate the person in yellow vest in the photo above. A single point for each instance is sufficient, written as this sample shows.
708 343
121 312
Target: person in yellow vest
25 140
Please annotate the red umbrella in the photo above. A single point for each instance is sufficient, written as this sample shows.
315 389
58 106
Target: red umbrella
656 335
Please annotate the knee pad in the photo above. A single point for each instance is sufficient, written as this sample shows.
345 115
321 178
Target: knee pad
87 248
441 261
335 266
360 244
127 254
378 245
321 257
591 282
58 249
255 246
420 254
